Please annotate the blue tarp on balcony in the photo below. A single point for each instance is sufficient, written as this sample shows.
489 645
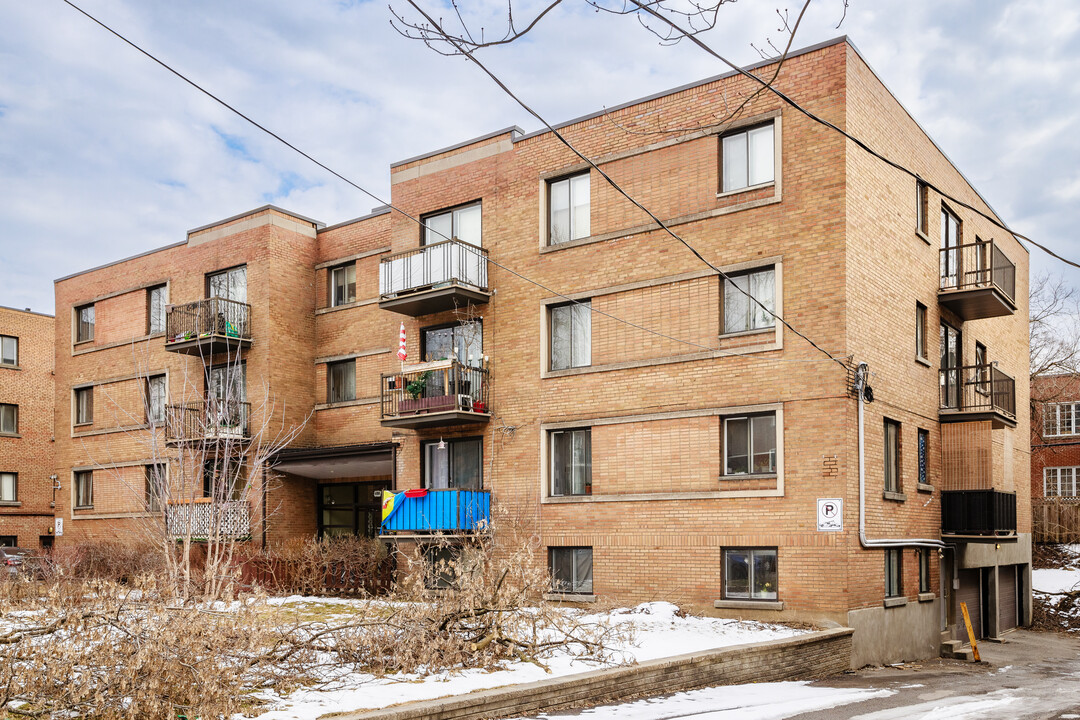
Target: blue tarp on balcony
439 511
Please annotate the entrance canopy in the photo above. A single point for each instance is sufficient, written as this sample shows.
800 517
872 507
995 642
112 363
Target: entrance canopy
349 461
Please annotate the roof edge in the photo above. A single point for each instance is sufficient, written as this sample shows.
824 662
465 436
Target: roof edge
375 212
255 211
27 311
121 260
513 130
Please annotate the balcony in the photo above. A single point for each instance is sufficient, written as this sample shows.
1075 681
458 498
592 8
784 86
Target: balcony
977 392
433 278
452 511
207 327
212 422
977 281
202 519
979 514
433 394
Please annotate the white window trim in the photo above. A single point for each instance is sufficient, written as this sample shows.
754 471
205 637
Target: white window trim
777 330
1057 424
546 181
778 160
1075 472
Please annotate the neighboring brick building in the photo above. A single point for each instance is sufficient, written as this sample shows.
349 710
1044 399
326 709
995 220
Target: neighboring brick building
26 428
716 463
1055 457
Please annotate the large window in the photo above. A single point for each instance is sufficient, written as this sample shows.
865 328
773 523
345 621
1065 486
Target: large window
571 570
571 335
571 462
1061 481
747 158
228 284
9 487
341 381
750 574
157 489
9 418
156 393
465 341
343 284
1061 419
84 489
951 343
750 444
461 223
892 456
893 575
568 209
156 299
9 350
84 406
740 312
456 463
84 323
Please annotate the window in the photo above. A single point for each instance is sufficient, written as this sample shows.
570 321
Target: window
155 399
893 579
924 455
456 463
951 342
982 370
571 570
156 299
9 419
892 456
571 462
84 406
747 158
750 445
740 312
228 284
343 285
568 209
9 541
950 242
1061 481
9 487
461 223
223 478
750 574
1061 419
924 569
443 566
341 381
920 331
571 335
465 341
921 206
84 324
9 350
84 489
157 489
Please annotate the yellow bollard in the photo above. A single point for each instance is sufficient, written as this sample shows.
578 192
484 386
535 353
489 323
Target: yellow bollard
970 632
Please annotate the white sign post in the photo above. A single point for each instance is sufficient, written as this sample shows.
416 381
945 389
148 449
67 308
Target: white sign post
830 514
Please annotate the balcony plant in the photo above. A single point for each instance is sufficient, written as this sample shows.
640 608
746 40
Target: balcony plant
418 385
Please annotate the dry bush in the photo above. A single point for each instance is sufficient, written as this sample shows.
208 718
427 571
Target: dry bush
109 560
327 566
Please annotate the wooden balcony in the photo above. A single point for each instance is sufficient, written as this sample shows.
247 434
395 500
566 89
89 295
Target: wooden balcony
433 278
213 422
977 392
203 520
978 514
448 511
977 281
207 327
433 394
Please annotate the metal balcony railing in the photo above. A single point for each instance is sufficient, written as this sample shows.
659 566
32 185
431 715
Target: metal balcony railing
977 266
441 264
978 512
977 388
212 420
446 510
203 519
211 318
440 386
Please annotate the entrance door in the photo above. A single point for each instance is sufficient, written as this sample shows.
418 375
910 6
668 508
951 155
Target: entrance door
350 509
969 593
1007 600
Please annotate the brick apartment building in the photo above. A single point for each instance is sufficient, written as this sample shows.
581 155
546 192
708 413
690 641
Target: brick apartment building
717 463
1055 457
26 429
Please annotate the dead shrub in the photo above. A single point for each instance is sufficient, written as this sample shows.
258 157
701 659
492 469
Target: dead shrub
107 560
326 566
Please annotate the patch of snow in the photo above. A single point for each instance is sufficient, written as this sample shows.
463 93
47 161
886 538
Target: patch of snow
1054 580
961 707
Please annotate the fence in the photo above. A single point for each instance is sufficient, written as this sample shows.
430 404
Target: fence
443 263
1055 519
977 388
208 318
229 520
977 265
441 386
214 420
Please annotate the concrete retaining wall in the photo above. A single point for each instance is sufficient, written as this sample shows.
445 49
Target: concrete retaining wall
814 655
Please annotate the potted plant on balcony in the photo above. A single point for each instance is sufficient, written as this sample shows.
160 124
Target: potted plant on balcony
415 388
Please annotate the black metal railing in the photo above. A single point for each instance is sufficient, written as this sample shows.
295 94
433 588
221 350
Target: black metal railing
213 317
450 262
977 388
203 519
978 265
440 386
212 420
978 512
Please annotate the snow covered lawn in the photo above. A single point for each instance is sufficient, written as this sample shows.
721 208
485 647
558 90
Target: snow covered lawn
1058 580
660 630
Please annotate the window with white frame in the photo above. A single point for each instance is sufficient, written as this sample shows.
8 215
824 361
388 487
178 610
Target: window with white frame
463 223
571 335
571 462
750 574
1060 419
747 158
9 487
343 284
1061 481
568 209
750 301
156 299
750 444
9 350
571 570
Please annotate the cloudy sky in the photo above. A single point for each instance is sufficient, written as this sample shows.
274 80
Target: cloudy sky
103 154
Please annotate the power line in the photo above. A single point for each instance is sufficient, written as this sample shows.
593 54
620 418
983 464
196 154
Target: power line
381 201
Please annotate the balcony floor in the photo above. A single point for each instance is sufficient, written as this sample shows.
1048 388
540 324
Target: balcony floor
977 303
432 300
208 345
998 419
437 419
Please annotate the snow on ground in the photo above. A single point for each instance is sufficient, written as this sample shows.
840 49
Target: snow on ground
660 631
1058 580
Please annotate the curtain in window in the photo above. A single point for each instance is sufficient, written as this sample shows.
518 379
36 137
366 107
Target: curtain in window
156 398
157 310
571 462
763 437
8 419
7 487
760 142
342 381
465 464
9 350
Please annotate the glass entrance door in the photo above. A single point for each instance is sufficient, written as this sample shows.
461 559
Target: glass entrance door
351 509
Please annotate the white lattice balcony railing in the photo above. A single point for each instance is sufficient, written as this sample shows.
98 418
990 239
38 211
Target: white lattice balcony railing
205 519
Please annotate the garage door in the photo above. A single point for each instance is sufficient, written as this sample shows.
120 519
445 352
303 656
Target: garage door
1006 597
968 593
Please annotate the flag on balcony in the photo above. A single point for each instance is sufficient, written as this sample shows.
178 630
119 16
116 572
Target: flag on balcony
402 353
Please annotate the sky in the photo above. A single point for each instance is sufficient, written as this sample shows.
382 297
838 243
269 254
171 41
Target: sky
104 154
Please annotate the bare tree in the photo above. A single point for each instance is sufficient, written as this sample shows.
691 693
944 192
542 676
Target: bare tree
1055 326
